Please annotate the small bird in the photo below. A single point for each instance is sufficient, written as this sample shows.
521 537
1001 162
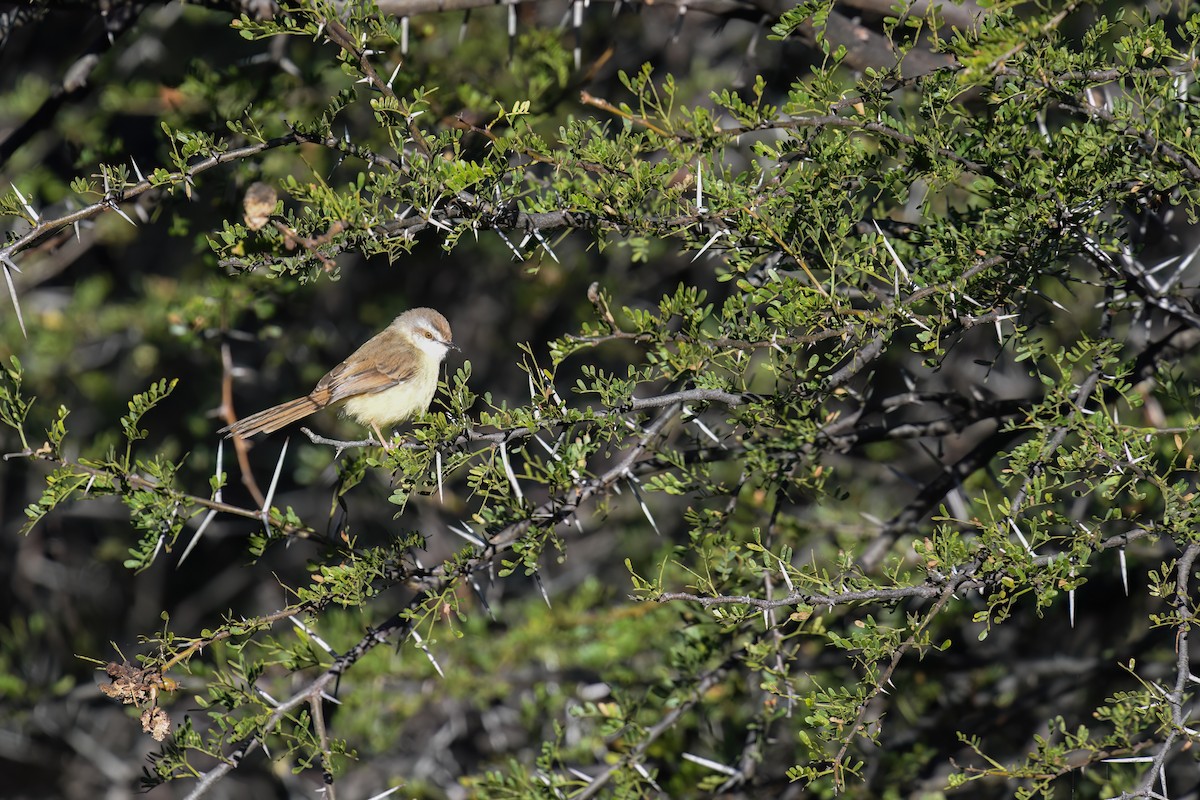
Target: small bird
391 378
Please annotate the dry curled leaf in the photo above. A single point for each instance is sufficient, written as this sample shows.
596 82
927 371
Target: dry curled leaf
156 722
259 205
136 686
132 685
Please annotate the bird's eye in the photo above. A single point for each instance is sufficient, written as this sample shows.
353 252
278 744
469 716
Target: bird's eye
428 335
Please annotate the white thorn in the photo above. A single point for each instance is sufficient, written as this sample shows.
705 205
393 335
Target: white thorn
552 451
711 241
317 640
641 502
537 578
425 649
895 256
508 470
713 765
787 579
545 245
196 536
157 548
12 292
113 205
699 424
437 458
28 208
1020 536
266 509
384 794
466 533
511 246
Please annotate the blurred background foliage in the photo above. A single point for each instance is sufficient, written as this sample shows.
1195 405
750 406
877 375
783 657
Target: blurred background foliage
532 672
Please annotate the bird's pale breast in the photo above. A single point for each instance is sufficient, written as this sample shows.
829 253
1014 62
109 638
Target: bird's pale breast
393 406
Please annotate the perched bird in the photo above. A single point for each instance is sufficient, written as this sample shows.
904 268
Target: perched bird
390 378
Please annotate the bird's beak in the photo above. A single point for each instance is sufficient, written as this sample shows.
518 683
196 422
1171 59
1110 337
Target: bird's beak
452 346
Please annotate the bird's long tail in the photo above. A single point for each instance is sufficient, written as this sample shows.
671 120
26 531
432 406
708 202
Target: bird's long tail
272 419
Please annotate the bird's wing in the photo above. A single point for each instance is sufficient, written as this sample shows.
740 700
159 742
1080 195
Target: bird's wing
357 375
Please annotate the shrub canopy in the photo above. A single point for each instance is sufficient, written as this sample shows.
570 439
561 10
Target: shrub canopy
822 424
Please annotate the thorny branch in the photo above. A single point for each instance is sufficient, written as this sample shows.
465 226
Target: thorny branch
40 227
131 480
1180 723
433 583
933 587
635 754
557 510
